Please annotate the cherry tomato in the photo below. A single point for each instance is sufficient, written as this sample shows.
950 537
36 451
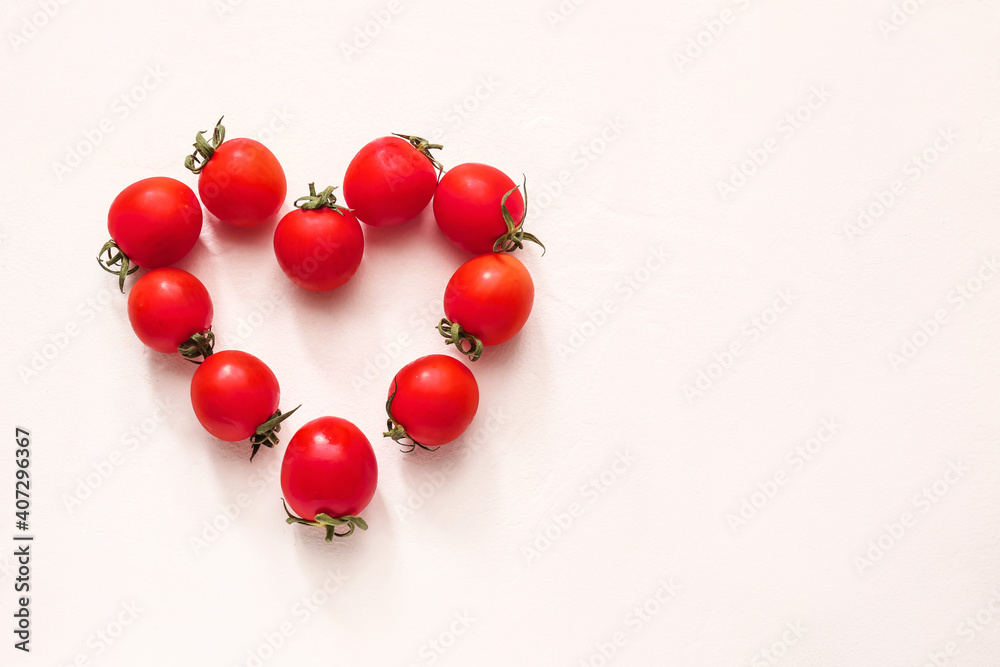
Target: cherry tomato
329 471
320 245
153 222
487 301
168 306
240 182
467 207
391 180
432 401
233 394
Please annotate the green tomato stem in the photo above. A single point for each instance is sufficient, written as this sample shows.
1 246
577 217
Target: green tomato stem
463 341
203 150
328 522
515 236
424 147
198 345
396 430
116 257
266 434
326 199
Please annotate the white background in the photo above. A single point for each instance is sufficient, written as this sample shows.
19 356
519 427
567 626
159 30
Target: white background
602 96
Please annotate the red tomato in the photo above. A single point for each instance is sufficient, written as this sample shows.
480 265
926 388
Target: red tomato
320 245
391 180
153 222
469 208
168 306
488 299
432 401
329 471
233 394
241 181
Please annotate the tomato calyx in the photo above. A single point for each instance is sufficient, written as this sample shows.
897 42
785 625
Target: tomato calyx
203 150
396 430
424 147
266 434
198 345
328 522
119 258
325 199
463 341
515 236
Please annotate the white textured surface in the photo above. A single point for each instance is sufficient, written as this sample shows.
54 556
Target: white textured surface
571 397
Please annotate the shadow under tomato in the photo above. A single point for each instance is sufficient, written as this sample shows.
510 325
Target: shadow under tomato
333 301
231 236
421 232
353 582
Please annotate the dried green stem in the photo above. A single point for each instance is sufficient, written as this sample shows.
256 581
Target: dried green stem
463 341
116 257
424 147
266 434
325 199
328 522
396 430
203 149
515 236
198 345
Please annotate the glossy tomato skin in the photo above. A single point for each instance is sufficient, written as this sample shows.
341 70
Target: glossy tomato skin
490 296
329 467
167 306
155 221
389 182
319 249
467 206
242 183
233 393
436 399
